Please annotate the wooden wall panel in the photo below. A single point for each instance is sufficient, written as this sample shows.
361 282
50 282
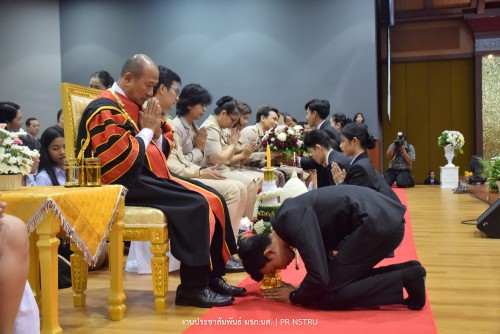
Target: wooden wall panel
440 111
425 40
417 118
427 98
462 118
398 107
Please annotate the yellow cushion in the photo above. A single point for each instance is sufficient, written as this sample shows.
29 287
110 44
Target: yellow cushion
136 215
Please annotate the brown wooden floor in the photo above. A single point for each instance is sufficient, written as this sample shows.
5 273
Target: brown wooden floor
463 281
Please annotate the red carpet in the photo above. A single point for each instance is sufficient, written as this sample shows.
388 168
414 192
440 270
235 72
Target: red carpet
257 315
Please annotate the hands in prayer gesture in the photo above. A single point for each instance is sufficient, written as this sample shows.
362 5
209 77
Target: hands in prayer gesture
280 294
201 139
248 149
233 137
151 117
337 173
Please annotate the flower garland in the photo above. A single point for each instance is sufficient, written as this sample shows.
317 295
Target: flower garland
264 196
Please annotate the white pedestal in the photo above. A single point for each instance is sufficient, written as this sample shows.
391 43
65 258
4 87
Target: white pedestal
449 177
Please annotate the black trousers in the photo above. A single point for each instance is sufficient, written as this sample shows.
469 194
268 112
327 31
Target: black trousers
198 277
402 177
358 284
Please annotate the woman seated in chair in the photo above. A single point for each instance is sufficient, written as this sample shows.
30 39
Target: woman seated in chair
221 148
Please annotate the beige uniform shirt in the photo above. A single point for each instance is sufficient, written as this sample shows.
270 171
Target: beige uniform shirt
186 134
216 142
252 133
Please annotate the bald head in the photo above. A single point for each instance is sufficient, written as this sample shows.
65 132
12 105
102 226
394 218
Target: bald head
138 77
136 64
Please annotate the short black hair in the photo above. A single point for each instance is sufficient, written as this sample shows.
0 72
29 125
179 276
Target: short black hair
104 77
191 95
251 253
28 121
59 113
8 111
322 107
227 103
166 77
264 110
317 137
341 118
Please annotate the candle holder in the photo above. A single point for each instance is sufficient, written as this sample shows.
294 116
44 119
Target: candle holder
71 172
92 172
268 174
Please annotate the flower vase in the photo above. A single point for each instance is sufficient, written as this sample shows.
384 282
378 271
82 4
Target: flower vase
449 153
271 281
11 181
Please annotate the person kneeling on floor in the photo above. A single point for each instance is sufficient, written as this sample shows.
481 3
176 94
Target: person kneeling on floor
374 226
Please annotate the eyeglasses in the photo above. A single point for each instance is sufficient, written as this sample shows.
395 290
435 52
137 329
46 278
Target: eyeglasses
234 120
176 90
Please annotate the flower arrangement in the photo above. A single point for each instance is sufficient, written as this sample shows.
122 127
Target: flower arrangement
453 138
14 157
290 140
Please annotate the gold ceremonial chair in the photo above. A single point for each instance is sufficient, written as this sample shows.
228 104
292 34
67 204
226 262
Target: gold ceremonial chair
140 224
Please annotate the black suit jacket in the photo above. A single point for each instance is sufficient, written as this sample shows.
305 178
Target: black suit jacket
428 181
362 173
328 128
324 174
317 221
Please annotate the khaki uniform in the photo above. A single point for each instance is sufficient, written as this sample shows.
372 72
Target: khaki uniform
216 143
233 191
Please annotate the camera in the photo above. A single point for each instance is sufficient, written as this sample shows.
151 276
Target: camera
400 140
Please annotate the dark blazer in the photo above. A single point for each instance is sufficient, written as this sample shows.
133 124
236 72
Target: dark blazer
428 181
328 128
362 173
324 174
316 222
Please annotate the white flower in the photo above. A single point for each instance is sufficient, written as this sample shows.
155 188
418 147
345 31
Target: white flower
281 136
259 227
298 128
15 158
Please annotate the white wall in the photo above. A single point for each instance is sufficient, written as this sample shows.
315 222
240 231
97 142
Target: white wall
30 57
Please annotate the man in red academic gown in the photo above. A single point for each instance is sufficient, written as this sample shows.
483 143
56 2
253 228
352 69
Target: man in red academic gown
133 144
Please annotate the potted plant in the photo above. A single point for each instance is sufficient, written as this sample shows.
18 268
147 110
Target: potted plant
491 171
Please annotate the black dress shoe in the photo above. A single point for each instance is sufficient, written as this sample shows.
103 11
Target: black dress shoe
219 285
201 297
234 265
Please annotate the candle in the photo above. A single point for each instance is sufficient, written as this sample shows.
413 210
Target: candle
294 163
268 156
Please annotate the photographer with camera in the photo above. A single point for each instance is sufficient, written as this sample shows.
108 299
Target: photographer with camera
401 155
